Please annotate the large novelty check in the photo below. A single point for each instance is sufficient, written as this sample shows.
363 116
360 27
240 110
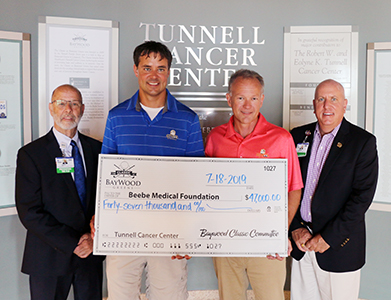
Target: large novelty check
149 205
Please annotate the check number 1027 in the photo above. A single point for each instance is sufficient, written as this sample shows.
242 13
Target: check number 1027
269 168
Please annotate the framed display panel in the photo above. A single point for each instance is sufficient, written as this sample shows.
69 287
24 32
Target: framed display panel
211 117
15 110
83 53
378 95
313 54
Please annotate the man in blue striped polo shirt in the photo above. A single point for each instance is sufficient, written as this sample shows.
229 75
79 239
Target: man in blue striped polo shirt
152 122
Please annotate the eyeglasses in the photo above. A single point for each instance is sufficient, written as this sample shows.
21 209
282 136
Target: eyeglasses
63 103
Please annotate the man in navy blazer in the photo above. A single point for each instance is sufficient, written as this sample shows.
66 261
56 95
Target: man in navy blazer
339 167
58 248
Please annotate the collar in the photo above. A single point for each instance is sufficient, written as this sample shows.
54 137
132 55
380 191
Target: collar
333 132
63 140
170 105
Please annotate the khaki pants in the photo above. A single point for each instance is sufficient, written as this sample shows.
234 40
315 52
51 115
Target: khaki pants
267 277
165 278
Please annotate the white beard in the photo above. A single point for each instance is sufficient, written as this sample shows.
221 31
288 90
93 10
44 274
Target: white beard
63 126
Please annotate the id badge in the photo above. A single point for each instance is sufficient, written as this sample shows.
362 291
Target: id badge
65 165
301 149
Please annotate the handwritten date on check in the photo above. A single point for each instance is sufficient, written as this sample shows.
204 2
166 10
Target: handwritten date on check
149 205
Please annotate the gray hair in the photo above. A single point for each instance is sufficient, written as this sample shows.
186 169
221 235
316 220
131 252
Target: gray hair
246 74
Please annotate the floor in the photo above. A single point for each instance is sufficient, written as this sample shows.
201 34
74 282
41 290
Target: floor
214 295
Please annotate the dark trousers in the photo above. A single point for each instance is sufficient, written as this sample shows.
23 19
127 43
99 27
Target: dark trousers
86 286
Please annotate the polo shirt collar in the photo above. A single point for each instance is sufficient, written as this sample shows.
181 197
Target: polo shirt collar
170 104
260 127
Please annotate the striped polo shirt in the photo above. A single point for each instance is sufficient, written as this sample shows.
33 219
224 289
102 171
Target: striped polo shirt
175 131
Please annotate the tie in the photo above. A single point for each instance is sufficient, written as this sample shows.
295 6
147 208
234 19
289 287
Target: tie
79 175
